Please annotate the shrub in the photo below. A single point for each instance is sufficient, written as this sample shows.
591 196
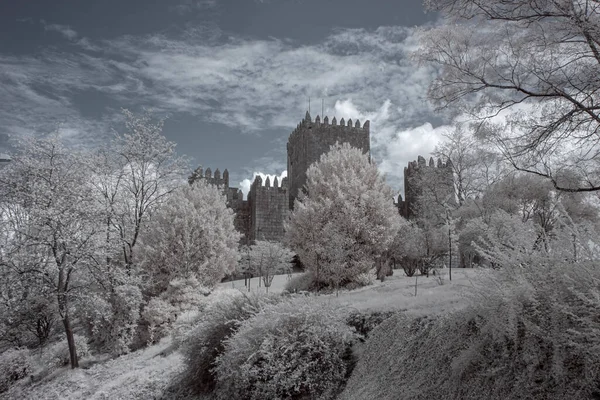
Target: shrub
15 364
57 354
111 321
158 315
205 343
184 325
291 350
300 283
186 294
365 321
183 295
366 278
534 337
410 266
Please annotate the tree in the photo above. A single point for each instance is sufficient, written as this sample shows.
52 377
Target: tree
522 212
150 172
266 259
190 235
49 224
407 248
475 167
346 220
131 177
527 73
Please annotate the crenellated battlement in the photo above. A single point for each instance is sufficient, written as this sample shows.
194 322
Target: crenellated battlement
420 162
258 183
347 126
211 178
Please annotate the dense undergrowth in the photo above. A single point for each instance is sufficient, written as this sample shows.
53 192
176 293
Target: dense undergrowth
530 334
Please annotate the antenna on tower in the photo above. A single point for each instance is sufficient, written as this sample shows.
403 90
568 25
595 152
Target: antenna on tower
309 104
323 108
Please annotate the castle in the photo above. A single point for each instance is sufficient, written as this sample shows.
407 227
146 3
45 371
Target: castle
262 215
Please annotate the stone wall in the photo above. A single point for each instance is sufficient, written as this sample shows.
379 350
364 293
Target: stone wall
417 174
268 206
311 139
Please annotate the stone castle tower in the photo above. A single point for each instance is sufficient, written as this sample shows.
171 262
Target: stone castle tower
311 139
268 206
262 215
439 177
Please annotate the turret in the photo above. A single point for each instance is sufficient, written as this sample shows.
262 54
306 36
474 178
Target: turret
226 177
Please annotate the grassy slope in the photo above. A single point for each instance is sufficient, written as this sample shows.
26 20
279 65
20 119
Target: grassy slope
144 374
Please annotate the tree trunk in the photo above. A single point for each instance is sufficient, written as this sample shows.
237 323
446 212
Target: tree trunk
71 342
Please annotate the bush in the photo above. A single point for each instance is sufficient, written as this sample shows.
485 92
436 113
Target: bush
301 283
158 315
112 321
364 321
183 295
184 325
57 354
410 265
292 350
535 336
205 343
15 364
366 278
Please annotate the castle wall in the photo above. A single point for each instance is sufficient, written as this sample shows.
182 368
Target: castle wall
438 178
235 199
311 139
268 207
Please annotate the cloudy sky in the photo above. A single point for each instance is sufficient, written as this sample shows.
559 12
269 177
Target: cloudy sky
232 76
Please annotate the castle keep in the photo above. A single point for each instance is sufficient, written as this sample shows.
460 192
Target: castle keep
262 215
437 179
311 139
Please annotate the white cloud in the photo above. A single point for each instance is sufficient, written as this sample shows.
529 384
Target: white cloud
393 144
246 183
64 30
246 84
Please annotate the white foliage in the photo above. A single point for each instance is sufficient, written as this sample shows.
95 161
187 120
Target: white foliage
111 318
347 219
50 215
159 315
56 355
286 350
15 364
266 259
190 236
